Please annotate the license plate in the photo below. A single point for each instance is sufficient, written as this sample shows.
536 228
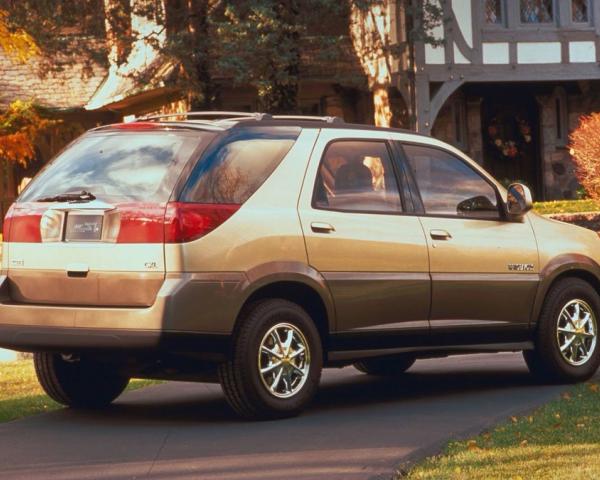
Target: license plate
83 228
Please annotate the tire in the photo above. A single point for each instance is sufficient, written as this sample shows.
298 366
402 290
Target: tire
257 396
546 362
79 384
386 366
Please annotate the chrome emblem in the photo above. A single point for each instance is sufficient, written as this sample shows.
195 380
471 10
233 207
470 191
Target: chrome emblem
520 267
151 265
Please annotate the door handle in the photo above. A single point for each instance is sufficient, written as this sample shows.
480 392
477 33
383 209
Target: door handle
440 235
319 227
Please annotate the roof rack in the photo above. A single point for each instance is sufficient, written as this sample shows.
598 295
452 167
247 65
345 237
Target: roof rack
207 116
309 118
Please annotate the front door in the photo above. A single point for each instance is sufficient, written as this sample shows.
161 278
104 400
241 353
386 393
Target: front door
484 269
510 138
372 256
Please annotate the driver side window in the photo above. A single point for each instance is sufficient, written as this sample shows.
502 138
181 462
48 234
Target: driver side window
449 186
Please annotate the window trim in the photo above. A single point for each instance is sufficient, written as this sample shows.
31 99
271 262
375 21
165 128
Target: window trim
590 12
395 173
552 24
503 20
503 217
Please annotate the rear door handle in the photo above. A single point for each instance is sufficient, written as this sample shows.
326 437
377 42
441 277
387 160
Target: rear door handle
440 235
319 227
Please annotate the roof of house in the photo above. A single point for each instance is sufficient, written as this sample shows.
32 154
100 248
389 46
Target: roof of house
70 88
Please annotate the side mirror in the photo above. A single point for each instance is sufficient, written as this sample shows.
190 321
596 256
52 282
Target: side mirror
519 201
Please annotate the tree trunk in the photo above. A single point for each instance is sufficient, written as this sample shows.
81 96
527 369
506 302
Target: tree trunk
282 95
118 29
199 25
370 33
381 106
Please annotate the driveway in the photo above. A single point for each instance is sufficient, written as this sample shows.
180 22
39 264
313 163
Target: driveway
358 428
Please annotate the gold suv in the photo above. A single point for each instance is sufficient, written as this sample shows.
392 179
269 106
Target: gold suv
255 250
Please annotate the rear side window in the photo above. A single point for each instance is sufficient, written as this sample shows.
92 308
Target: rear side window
449 186
119 166
357 176
231 171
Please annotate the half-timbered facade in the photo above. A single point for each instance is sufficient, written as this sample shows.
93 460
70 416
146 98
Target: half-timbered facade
509 82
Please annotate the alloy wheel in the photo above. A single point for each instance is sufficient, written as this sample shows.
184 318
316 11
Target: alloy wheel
576 332
284 360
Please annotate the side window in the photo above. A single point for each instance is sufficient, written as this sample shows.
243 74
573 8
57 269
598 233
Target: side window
234 169
357 176
449 186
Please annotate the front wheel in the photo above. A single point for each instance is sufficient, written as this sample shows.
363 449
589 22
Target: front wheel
79 383
276 361
566 343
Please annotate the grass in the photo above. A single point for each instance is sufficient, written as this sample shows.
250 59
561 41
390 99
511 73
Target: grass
21 395
566 206
559 440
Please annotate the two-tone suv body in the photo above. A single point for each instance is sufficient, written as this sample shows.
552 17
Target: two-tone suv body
255 250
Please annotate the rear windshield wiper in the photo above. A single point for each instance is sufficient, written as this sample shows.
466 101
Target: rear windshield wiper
82 196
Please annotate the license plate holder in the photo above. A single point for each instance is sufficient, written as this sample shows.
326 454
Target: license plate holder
83 227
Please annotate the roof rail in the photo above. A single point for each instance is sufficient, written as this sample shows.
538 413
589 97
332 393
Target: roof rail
207 115
309 118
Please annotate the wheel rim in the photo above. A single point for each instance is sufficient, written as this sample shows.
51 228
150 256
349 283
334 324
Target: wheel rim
576 332
283 360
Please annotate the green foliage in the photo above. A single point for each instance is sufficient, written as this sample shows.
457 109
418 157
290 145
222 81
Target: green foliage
566 206
65 31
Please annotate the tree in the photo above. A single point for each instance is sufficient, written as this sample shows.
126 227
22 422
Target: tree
371 33
16 42
585 150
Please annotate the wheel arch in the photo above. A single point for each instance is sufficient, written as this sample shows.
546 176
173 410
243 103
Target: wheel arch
297 283
565 266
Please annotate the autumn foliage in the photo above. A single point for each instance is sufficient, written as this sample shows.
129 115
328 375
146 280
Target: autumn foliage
19 126
585 149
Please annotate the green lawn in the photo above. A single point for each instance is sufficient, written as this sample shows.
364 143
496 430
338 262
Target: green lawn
21 395
566 206
560 440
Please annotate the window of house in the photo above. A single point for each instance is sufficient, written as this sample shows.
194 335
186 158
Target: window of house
449 186
537 11
562 118
580 11
492 12
357 176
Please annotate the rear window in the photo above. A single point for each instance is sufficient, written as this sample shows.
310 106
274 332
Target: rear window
239 164
119 166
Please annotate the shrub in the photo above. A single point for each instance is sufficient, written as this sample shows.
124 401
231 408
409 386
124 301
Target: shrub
585 149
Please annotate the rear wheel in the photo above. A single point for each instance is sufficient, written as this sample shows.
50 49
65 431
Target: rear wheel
566 347
386 366
276 361
83 383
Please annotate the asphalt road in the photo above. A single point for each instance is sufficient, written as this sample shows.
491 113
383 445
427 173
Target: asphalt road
358 427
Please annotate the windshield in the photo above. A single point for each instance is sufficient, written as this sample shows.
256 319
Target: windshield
118 166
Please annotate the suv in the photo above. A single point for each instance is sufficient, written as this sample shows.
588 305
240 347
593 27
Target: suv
255 250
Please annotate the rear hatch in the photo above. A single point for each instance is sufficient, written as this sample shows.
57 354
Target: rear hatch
90 228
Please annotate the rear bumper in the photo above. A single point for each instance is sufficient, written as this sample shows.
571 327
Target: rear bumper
63 339
192 312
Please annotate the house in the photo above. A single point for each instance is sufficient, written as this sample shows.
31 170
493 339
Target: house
63 94
509 83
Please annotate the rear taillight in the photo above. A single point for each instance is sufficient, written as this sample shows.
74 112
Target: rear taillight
185 222
22 223
141 223
128 223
